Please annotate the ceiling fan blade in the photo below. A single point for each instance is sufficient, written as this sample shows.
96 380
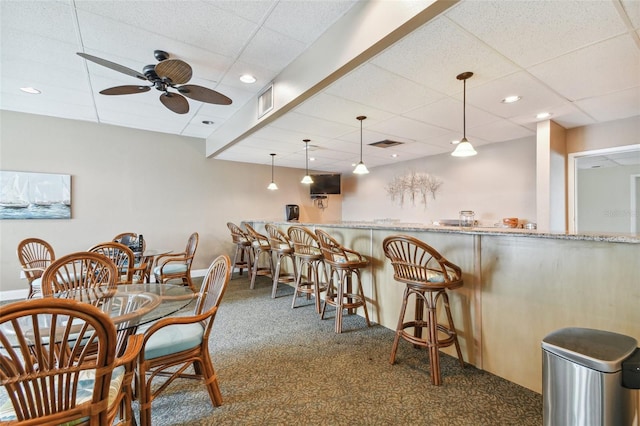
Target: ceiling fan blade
203 94
179 72
112 65
125 90
175 102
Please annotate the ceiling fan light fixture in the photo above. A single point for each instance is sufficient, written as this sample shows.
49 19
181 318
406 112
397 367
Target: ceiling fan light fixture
272 186
464 147
361 169
306 179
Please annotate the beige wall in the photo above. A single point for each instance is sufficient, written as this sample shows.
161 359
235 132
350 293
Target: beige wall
131 180
498 182
605 135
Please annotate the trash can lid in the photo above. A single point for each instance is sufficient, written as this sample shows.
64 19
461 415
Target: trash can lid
596 349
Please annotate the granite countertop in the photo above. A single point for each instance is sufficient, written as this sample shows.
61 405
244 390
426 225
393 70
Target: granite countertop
479 230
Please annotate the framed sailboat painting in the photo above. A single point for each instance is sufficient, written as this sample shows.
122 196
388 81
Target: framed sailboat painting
26 195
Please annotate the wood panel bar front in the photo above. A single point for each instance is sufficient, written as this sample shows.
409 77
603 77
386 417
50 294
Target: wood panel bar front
518 287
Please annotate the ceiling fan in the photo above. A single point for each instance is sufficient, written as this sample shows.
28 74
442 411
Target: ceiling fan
166 74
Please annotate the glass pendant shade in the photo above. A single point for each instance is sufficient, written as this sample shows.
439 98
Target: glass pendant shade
464 148
360 169
272 186
306 179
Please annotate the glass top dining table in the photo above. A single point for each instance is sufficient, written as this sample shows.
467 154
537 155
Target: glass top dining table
129 306
132 305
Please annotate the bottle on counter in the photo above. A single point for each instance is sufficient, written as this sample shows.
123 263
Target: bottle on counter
140 243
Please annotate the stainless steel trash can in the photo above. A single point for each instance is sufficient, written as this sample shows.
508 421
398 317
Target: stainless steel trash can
582 378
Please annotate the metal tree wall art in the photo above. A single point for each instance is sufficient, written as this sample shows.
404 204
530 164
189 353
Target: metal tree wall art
413 186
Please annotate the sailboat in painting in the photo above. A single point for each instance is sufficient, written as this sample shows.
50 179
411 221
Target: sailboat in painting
13 194
33 195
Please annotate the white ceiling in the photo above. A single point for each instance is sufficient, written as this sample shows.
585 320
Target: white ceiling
579 60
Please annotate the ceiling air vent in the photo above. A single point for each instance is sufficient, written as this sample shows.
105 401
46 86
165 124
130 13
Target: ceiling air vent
387 143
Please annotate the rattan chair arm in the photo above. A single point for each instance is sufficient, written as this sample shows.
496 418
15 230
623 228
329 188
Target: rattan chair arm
134 346
37 269
170 255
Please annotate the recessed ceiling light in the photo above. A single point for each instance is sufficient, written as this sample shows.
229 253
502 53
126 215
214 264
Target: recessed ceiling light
511 99
312 158
394 155
542 115
31 90
247 78
208 122
456 142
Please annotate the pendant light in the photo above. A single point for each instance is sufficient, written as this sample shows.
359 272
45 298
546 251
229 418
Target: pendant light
306 179
361 169
464 147
272 186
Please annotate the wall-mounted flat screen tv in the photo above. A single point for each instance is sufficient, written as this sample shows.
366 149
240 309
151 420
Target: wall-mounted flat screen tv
325 184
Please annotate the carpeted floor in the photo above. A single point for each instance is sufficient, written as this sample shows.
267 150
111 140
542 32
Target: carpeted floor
283 366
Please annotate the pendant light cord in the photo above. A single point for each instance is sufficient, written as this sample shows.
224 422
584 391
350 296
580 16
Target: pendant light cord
464 109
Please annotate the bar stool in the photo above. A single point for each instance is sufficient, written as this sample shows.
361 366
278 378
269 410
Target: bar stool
427 276
344 264
243 248
281 248
260 246
309 259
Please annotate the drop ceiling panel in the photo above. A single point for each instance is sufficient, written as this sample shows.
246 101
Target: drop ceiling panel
407 128
306 21
49 19
312 126
435 54
597 70
272 50
531 32
369 85
498 131
535 96
339 110
613 106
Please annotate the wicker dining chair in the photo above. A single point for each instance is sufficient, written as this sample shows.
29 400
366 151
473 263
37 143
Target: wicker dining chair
344 264
177 265
131 238
49 377
281 249
132 241
35 255
123 258
261 248
80 270
172 345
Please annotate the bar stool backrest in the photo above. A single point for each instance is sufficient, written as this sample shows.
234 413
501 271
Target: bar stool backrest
305 242
417 262
278 239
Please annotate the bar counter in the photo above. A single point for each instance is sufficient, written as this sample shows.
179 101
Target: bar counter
519 285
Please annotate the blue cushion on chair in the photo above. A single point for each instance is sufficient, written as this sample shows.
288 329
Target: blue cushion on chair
171 268
172 339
